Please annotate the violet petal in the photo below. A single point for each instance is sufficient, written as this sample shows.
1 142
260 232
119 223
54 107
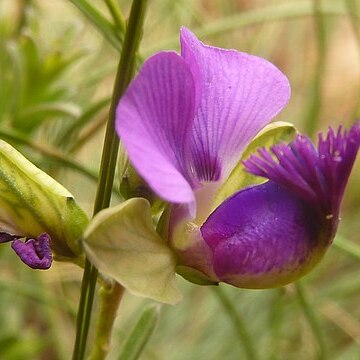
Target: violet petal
238 94
265 236
154 120
35 253
318 175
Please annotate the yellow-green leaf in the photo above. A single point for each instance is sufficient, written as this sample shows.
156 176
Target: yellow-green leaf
123 244
239 178
31 202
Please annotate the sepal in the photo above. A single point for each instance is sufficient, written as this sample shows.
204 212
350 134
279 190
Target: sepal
32 203
123 244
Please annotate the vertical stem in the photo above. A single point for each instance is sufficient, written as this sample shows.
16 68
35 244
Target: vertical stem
347 247
313 112
23 7
116 14
110 299
108 164
312 320
238 323
353 13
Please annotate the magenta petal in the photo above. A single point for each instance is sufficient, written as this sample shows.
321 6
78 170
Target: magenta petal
35 253
154 120
238 94
265 236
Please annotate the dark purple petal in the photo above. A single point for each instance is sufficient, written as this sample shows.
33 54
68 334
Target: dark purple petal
35 253
265 236
237 95
154 120
318 175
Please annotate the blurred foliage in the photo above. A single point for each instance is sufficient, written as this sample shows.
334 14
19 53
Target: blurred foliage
57 63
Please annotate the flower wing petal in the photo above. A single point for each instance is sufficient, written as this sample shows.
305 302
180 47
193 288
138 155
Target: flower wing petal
154 119
264 236
238 94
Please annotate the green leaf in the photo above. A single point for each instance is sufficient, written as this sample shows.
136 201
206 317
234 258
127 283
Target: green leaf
123 244
141 333
108 30
239 178
71 131
31 202
30 117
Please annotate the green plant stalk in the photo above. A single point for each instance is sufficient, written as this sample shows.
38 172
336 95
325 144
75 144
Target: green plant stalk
110 298
312 320
278 12
238 323
108 30
87 134
347 247
108 164
314 109
116 15
141 334
352 9
48 152
276 322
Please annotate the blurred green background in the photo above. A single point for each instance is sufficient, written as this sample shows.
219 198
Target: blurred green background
57 67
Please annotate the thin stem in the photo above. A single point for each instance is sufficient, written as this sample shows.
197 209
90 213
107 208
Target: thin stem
108 163
352 9
238 323
116 15
314 109
48 152
347 247
88 132
110 299
311 318
280 11
141 334
108 30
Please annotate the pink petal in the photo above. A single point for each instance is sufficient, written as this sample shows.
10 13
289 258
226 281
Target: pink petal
154 120
238 94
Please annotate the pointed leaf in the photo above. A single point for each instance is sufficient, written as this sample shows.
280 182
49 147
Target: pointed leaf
140 334
31 203
123 244
239 178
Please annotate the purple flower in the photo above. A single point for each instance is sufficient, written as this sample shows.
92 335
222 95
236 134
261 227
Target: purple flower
35 253
186 118
184 121
272 234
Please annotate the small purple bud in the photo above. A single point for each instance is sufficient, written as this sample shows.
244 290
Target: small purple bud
35 253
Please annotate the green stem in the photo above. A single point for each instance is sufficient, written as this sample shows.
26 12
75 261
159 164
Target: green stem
314 109
48 152
279 12
108 30
238 323
108 163
347 247
110 299
141 333
353 10
312 320
116 15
